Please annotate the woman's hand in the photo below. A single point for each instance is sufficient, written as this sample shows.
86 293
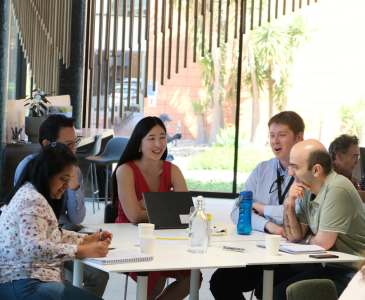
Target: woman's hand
95 237
141 204
94 249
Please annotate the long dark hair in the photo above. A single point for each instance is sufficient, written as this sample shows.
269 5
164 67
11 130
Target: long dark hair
50 161
131 151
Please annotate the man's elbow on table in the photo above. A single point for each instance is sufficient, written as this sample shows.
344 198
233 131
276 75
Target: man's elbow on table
324 239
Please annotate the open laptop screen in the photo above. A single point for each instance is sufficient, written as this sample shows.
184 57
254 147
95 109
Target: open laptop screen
168 210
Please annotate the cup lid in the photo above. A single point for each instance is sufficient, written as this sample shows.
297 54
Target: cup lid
246 194
146 225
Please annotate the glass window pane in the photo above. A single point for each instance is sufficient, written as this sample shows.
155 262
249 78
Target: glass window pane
13 55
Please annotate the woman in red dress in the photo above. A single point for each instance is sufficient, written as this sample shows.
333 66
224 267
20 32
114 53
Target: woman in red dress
142 168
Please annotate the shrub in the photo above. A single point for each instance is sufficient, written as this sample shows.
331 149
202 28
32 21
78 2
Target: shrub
221 158
212 185
227 136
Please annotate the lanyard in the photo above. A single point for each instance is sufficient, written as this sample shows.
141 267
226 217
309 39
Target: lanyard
282 197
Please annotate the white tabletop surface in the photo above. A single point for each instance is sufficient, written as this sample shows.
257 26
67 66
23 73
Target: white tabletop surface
170 257
128 233
176 257
257 255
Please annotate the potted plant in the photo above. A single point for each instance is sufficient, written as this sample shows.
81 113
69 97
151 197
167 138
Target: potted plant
37 107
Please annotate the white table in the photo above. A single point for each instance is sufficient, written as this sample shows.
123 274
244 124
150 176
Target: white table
257 256
175 256
128 233
167 256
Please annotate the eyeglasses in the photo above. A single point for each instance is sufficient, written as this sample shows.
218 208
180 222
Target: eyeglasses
76 142
354 157
276 183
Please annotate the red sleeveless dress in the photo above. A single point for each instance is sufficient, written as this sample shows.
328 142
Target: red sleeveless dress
141 186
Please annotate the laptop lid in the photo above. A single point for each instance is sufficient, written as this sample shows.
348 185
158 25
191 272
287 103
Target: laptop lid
168 210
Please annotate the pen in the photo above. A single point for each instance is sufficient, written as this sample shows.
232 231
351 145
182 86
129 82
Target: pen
101 234
235 249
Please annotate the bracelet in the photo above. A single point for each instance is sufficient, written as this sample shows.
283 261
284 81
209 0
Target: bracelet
308 238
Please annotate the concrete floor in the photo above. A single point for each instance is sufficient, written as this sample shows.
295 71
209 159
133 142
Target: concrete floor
220 210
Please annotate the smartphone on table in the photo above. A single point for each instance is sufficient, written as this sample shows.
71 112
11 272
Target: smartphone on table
320 256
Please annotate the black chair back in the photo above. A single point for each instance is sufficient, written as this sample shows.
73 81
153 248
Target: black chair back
110 214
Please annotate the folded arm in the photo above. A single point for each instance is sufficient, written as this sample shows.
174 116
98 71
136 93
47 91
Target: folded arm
76 209
295 231
127 195
36 246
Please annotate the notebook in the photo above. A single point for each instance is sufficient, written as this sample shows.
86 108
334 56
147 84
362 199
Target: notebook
120 256
168 210
294 248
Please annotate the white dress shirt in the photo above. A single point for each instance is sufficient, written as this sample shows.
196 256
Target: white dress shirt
260 182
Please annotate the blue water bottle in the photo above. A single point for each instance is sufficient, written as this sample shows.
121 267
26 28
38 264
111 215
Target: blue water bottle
244 225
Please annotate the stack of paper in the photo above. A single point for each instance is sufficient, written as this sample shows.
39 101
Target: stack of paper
301 249
294 248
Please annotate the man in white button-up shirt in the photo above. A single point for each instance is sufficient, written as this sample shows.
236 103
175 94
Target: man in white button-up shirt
269 183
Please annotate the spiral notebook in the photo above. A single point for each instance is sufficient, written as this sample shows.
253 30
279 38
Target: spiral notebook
120 256
295 248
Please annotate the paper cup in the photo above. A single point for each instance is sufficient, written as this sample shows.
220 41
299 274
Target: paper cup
146 229
272 242
147 244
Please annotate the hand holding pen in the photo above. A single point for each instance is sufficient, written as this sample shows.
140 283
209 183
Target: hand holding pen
105 236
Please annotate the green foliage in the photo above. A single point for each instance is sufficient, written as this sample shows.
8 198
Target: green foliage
221 158
227 137
200 107
353 116
212 185
275 45
37 102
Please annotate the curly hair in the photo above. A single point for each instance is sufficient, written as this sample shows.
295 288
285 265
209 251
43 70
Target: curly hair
342 144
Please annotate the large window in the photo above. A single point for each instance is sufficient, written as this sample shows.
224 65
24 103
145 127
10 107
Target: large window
310 61
13 59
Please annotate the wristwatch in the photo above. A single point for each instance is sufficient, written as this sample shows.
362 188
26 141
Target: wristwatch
308 238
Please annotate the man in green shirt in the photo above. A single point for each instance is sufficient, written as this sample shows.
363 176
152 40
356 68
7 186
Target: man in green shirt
330 207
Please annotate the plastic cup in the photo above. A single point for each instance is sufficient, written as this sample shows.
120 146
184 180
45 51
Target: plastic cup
272 242
146 229
147 244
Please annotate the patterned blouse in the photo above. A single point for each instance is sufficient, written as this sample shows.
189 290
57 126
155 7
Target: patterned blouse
30 239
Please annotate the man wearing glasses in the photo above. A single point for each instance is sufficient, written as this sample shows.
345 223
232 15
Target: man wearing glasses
58 128
270 184
345 155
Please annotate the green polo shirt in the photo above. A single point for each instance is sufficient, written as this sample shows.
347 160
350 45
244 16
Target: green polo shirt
337 208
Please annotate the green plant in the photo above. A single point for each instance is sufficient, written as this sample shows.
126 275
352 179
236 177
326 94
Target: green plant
227 137
37 102
221 158
353 116
200 107
212 185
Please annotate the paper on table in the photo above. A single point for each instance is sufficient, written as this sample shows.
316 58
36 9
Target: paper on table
120 256
171 240
294 248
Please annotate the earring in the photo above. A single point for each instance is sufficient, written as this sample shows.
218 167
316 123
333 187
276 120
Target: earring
139 150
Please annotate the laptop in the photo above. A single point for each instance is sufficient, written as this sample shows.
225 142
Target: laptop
168 210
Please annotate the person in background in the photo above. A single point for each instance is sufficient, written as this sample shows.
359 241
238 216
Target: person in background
166 121
33 245
330 214
143 168
58 128
270 183
345 155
